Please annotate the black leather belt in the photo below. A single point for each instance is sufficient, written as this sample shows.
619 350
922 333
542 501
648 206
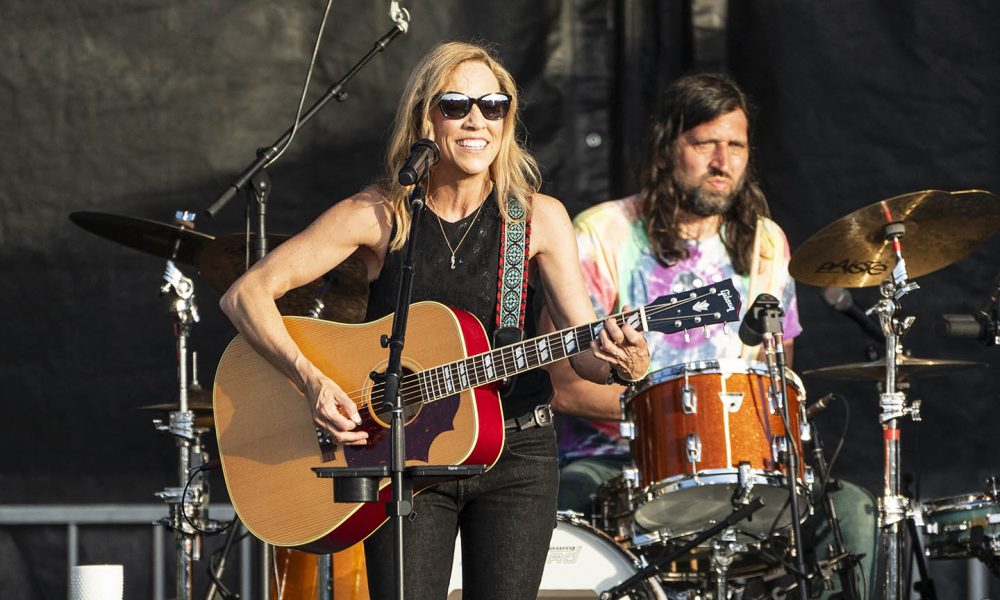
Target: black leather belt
540 416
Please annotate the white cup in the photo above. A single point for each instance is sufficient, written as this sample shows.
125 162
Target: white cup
96 582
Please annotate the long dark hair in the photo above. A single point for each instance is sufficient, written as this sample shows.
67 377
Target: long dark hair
687 103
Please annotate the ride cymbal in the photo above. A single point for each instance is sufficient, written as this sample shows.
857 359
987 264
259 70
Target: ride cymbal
939 229
149 236
907 367
341 294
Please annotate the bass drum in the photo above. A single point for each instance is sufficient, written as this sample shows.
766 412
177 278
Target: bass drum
582 562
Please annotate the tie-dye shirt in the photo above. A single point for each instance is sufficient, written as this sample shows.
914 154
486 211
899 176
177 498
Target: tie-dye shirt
620 270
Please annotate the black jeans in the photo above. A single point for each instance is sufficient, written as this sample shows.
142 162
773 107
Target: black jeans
506 517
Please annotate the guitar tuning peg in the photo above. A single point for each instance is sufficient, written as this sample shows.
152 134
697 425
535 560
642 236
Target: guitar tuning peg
704 328
725 329
687 337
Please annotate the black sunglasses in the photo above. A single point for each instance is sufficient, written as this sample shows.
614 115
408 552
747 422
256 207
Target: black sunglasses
455 105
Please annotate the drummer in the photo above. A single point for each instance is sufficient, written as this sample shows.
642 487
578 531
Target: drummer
699 217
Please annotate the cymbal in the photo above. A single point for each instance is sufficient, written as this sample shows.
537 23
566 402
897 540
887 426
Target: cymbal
906 368
199 402
940 228
341 294
146 235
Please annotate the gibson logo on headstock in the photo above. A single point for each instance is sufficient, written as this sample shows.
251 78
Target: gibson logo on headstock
728 297
851 267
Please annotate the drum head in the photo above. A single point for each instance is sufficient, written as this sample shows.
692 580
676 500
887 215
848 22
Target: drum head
689 505
582 562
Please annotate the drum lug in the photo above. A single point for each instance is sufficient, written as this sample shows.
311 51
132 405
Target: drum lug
773 401
631 476
779 444
809 477
693 446
689 399
626 429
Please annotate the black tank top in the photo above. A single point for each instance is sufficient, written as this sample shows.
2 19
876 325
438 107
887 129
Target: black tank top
470 286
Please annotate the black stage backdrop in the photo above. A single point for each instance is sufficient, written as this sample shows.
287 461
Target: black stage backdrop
145 107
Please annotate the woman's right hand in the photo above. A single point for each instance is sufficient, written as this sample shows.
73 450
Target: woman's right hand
334 411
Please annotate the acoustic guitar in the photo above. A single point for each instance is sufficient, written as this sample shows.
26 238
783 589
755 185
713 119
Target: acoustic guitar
268 443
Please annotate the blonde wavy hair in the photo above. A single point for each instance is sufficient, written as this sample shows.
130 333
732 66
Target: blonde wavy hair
514 171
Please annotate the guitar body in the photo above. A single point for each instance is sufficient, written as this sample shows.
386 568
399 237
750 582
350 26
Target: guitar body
268 443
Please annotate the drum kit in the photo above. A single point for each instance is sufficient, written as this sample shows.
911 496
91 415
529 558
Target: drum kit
696 458
703 433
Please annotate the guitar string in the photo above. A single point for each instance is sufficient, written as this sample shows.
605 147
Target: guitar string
413 394
410 385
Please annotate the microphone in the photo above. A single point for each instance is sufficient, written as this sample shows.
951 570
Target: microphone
819 406
983 325
841 300
974 327
758 320
423 155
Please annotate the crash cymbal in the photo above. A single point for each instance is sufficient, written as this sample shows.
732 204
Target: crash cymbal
149 236
940 228
907 367
340 295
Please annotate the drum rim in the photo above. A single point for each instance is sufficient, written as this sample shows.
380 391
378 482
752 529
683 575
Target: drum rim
574 518
758 476
714 366
961 502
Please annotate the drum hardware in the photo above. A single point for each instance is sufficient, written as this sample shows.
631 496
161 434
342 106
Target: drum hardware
656 566
188 502
856 251
965 526
842 562
762 325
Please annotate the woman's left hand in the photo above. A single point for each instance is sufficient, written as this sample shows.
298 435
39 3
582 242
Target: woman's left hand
623 348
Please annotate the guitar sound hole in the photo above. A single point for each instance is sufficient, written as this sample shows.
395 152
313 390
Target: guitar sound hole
411 406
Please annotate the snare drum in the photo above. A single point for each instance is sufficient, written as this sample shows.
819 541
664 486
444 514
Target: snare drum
582 562
962 526
701 430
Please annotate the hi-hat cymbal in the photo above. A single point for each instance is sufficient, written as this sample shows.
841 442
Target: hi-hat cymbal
940 228
907 367
341 294
147 235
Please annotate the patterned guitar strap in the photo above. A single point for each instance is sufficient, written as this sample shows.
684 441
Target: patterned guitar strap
512 281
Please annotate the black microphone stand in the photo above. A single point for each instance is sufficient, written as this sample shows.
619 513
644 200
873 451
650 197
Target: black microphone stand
842 561
255 173
361 484
774 353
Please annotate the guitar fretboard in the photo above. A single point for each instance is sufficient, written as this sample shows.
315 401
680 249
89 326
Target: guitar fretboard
501 363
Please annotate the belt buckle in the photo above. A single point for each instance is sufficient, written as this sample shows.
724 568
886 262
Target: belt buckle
543 414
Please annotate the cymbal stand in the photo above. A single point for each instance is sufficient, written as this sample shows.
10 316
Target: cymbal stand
190 508
894 507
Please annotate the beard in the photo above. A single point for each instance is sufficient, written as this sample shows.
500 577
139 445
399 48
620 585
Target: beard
707 203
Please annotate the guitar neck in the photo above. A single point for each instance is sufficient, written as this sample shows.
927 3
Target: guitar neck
501 363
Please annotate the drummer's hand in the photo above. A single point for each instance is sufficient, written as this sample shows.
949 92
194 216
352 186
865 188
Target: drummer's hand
329 405
623 348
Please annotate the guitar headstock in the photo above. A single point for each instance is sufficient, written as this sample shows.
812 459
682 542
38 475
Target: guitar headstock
707 305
